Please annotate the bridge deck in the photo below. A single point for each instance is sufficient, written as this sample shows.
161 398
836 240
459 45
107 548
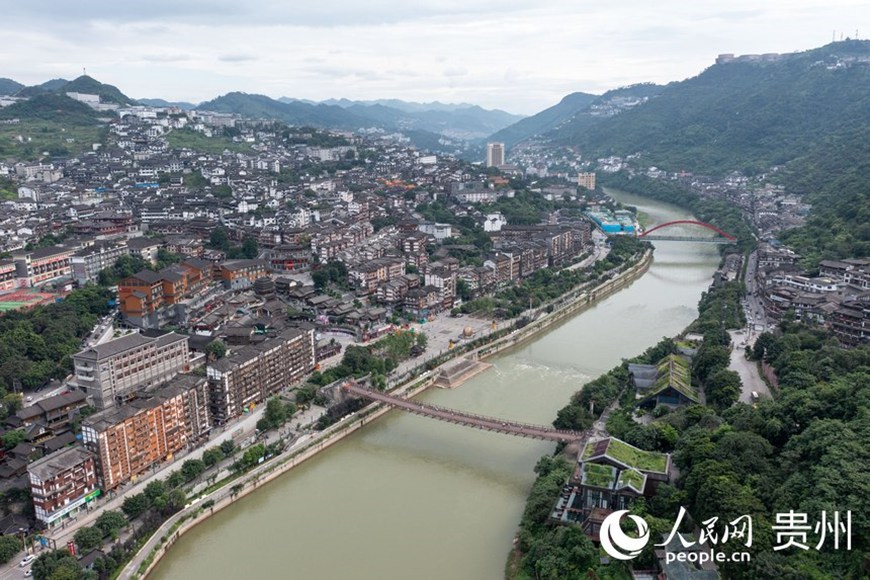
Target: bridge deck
468 419
656 237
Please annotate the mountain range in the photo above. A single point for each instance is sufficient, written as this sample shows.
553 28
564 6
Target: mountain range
742 113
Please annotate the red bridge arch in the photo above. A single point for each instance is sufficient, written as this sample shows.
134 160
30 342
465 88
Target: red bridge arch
691 222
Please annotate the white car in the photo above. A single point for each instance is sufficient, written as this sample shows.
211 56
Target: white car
27 560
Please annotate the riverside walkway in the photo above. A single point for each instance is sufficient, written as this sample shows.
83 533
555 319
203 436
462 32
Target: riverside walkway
505 426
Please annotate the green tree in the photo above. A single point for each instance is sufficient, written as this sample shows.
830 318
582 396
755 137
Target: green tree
212 456
166 258
56 565
12 402
175 479
155 489
9 547
192 468
13 438
176 500
250 248
709 360
228 447
135 505
723 388
219 240
216 349
111 521
88 538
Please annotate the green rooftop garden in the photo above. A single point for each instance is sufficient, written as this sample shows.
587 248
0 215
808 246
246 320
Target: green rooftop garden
588 450
598 475
631 478
673 370
637 458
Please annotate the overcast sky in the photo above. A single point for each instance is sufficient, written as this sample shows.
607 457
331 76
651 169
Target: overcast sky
517 55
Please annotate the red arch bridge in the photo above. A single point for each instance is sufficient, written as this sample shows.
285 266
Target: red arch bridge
505 426
723 238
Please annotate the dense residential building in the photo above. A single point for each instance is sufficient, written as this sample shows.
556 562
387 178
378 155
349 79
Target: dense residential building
506 267
54 413
147 298
8 277
62 483
239 274
106 224
141 294
289 258
254 373
444 279
850 322
43 264
147 430
145 248
366 276
113 372
87 263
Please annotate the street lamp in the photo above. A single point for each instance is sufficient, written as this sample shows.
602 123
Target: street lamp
23 533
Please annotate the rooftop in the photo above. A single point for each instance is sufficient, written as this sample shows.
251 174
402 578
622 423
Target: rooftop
626 455
114 347
53 464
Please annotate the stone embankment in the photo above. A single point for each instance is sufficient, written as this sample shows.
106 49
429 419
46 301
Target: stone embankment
562 308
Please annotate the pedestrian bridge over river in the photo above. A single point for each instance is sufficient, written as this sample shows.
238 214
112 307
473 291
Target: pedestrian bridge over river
505 426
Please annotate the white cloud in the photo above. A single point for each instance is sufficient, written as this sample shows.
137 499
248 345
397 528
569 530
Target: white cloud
510 54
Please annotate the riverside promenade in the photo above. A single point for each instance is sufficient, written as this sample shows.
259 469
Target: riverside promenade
562 308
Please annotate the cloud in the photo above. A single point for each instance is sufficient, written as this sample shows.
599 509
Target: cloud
511 54
236 57
166 57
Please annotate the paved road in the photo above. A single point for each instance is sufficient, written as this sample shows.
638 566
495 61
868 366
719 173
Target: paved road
239 429
747 369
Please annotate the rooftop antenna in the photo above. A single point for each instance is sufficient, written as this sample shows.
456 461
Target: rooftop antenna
84 71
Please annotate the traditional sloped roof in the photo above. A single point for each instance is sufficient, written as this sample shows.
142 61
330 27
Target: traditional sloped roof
632 479
673 371
626 455
598 475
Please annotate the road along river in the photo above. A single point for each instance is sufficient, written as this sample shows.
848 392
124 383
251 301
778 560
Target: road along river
409 497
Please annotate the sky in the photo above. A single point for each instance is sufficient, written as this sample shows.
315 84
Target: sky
520 56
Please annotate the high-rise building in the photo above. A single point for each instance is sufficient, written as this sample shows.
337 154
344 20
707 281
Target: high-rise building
254 373
114 371
130 439
494 154
61 483
586 180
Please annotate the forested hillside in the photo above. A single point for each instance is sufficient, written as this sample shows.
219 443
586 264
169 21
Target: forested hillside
834 176
805 450
745 116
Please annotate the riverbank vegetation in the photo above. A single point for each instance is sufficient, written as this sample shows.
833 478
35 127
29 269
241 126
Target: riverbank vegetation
546 285
719 213
805 450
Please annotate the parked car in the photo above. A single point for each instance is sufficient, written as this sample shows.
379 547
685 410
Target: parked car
27 560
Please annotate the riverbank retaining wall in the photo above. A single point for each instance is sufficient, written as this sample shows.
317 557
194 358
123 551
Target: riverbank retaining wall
564 308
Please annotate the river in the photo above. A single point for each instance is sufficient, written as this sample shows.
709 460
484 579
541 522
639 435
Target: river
410 497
